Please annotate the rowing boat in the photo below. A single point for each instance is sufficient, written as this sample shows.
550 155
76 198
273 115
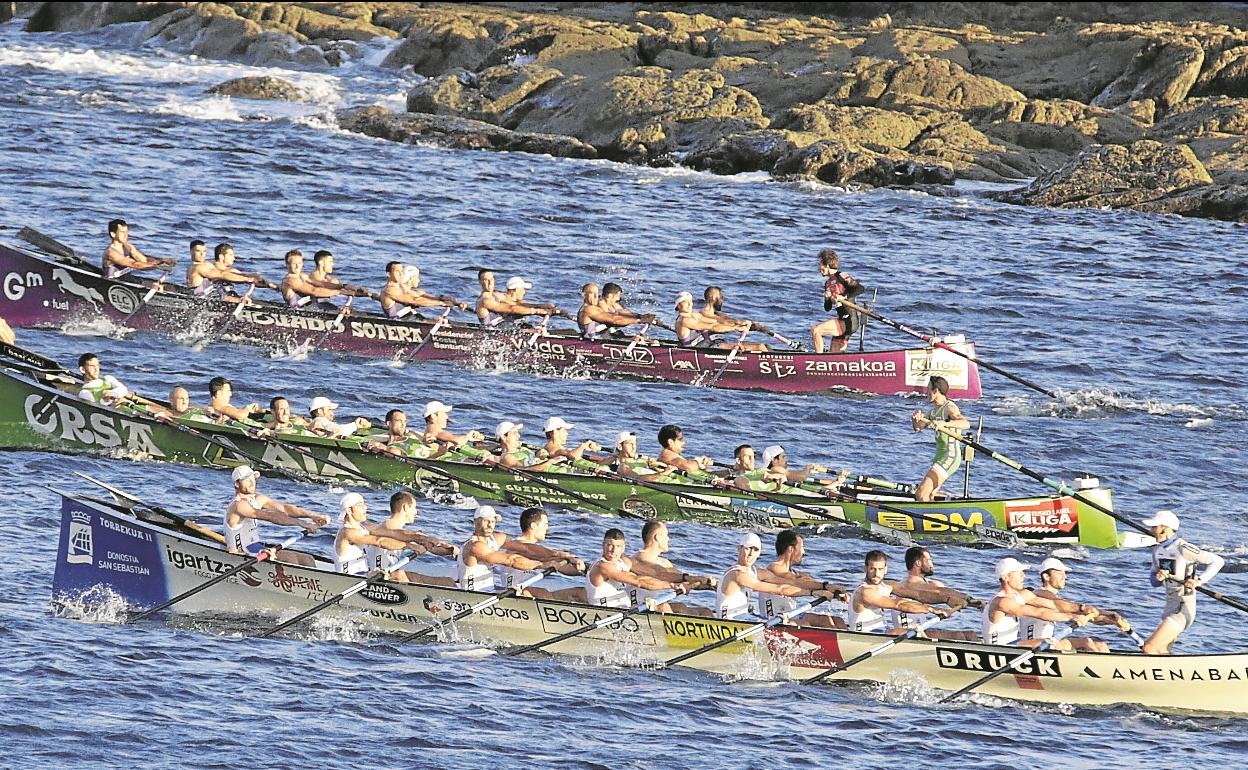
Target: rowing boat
35 415
146 560
51 292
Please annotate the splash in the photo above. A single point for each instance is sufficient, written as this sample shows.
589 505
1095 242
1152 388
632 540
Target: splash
1099 404
98 604
100 326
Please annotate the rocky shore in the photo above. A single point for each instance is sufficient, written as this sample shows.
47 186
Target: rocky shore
1119 105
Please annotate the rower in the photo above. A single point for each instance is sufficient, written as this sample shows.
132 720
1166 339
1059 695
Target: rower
627 463
298 290
321 409
322 274
515 454
919 585
556 430
517 307
1053 579
775 470
672 439
696 330
180 407
597 320
122 256
763 478
220 390
534 526
284 420
97 389
838 285
790 551
491 304
649 561
249 507
401 294
352 538
1174 566
944 415
199 254
610 300
398 439
712 310
1003 614
873 597
437 418
403 511
607 580
483 551
215 274
732 597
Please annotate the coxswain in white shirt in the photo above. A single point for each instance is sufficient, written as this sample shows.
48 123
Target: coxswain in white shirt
98 389
790 551
353 538
733 599
249 507
872 600
609 581
1004 614
649 561
1174 567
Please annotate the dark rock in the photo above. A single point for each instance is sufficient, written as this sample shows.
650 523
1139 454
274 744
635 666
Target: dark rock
259 87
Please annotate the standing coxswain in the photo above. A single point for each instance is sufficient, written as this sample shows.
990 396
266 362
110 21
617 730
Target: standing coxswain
608 580
97 388
1003 615
650 562
790 551
1174 567
350 556
122 256
943 416
837 286
249 507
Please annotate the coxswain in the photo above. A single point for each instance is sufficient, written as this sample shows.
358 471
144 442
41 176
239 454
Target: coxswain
98 389
491 304
837 286
732 597
249 507
194 269
534 527
398 439
919 585
350 556
872 600
1174 567
790 551
221 271
514 454
650 561
402 294
694 330
517 307
943 416
482 552
403 512
321 410
122 256
556 430
298 290
284 419
597 320
1003 615
437 418
1052 580
220 391
608 580
627 463
713 310
672 441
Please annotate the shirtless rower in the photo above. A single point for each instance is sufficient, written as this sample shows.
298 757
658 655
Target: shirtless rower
482 552
871 600
199 255
944 415
1174 566
840 327
284 420
918 584
322 275
556 430
249 507
790 551
713 310
398 439
1003 614
672 441
353 537
491 304
1053 579
627 463
298 290
401 294
649 561
122 256
220 391
611 299
437 418
403 512
321 409
608 579
597 320
221 271
534 526
732 597
515 454
98 389
695 330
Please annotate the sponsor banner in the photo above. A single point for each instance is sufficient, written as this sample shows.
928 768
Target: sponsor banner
445 607
984 662
691 633
1056 519
560 619
62 417
96 547
807 646
944 520
923 364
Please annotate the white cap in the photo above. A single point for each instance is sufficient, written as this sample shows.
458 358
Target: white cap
1162 519
436 407
624 435
771 453
557 422
505 427
516 282
410 272
750 540
1009 564
684 295
1053 563
242 472
320 402
486 512
350 500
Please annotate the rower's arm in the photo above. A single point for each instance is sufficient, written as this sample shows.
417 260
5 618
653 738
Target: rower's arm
531 550
1212 561
272 512
746 580
608 571
311 288
1028 609
873 598
357 537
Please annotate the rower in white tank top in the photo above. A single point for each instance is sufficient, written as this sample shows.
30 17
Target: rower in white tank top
478 577
737 604
869 619
1005 630
349 558
770 605
246 536
611 593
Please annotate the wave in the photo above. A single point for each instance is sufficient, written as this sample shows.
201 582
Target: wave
1098 403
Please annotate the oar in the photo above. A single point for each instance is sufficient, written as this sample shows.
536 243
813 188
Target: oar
943 346
541 331
129 501
732 356
1062 633
352 591
438 324
605 621
783 340
219 578
628 351
745 633
237 312
146 297
51 245
871 653
490 602
1061 488
330 328
31 358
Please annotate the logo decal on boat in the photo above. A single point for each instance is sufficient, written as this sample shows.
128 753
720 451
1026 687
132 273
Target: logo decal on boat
380 593
51 415
639 507
1044 518
122 299
67 285
80 550
16 284
973 660
935 520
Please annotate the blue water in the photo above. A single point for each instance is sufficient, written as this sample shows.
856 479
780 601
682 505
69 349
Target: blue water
1138 321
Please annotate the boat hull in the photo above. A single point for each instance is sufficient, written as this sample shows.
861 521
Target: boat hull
39 292
101 547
